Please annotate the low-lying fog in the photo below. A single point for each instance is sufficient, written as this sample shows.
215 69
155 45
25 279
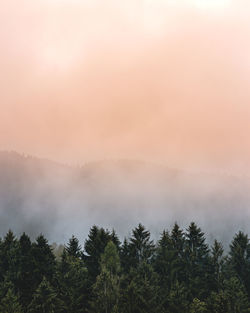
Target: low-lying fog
40 196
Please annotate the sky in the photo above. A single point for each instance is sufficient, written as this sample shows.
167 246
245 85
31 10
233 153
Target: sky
165 81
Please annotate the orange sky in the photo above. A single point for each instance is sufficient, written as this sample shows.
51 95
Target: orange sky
159 80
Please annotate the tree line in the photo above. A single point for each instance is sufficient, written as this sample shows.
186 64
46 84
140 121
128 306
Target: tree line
180 273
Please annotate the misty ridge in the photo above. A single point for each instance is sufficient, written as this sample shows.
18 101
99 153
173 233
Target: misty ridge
42 196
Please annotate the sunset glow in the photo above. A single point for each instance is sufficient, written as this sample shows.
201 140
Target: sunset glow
165 81
125 156
211 4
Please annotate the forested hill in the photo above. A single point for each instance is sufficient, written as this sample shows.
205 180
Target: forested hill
179 273
38 195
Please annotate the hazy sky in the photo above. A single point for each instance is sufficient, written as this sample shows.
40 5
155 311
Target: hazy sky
160 80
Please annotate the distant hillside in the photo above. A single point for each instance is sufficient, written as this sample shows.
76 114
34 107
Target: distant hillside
39 195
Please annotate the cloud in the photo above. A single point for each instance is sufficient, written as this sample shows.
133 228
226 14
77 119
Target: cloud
156 80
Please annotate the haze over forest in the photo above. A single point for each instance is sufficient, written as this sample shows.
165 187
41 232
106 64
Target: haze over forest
142 106
41 196
124 156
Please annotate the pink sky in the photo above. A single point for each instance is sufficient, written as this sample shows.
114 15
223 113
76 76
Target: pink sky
165 81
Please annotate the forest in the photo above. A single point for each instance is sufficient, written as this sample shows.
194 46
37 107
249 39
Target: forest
179 273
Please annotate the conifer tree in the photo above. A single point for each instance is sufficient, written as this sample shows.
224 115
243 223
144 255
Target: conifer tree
110 259
73 248
26 270
232 298
9 257
198 306
10 303
106 288
140 290
44 299
94 247
166 265
239 259
141 247
178 239
217 262
197 257
180 274
72 284
125 256
178 245
177 300
44 261
163 260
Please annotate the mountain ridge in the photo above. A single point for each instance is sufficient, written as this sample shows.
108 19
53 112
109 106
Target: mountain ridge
39 195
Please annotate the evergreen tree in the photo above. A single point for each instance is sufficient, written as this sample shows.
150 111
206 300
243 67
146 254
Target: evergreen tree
43 260
72 284
163 260
26 270
178 239
110 259
167 266
115 239
180 274
44 299
73 248
197 262
125 256
141 247
177 301
9 257
198 306
10 303
217 262
106 288
140 290
94 247
178 245
232 298
239 259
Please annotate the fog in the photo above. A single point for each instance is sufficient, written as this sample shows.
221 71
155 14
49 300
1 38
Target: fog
40 196
164 82
161 81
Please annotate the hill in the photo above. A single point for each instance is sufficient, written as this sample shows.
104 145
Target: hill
41 196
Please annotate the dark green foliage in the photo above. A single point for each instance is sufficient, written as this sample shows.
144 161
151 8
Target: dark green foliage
73 248
178 240
94 247
140 290
232 298
26 270
178 300
239 259
216 265
44 261
106 287
198 306
10 303
72 284
197 262
125 256
180 274
164 257
168 265
9 257
169 262
110 260
44 299
141 247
